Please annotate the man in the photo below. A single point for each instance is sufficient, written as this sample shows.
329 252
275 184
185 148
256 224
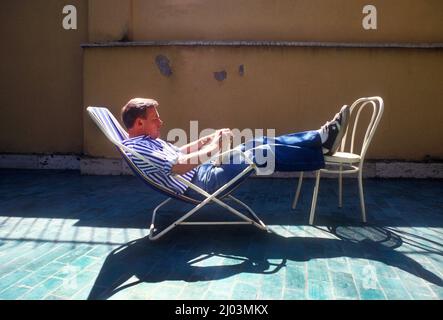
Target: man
301 151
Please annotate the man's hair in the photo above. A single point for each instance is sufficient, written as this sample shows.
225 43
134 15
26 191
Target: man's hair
136 108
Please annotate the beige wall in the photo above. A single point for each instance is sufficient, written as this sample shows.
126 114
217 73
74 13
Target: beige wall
296 20
40 77
109 20
290 89
47 80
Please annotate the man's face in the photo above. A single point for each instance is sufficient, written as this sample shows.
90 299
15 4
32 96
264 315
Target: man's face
152 124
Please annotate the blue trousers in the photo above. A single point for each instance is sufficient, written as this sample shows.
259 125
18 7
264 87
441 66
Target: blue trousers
300 151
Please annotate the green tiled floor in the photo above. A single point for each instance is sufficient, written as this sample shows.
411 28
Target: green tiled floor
66 236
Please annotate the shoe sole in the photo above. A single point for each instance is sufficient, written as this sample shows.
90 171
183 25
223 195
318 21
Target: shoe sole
341 132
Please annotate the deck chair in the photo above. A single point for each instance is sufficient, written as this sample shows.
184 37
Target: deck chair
107 123
348 159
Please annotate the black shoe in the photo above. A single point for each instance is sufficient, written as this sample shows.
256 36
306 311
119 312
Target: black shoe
335 130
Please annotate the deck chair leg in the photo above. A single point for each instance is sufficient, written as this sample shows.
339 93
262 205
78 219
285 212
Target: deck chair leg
314 198
297 192
259 224
177 222
340 187
362 196
154 213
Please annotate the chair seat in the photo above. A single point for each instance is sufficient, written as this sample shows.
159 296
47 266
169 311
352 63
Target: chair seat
343 157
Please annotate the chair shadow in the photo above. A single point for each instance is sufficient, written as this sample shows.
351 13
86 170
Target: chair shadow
176 257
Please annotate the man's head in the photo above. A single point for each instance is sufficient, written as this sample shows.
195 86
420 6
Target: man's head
141 117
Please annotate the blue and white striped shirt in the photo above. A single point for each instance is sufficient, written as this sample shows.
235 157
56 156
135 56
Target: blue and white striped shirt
164 156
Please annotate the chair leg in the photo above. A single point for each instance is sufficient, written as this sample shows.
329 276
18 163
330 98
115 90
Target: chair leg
362 196
154 214
181 221
297 192
340 188
314 198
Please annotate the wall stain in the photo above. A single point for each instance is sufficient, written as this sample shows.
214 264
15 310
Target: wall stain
241 70
220 75
163 65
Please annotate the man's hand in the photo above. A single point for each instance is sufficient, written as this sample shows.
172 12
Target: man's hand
226 132
204 141
207 147
212 137
225 137
222 138
216 138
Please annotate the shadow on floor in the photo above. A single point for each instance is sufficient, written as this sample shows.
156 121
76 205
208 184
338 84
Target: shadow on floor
175 257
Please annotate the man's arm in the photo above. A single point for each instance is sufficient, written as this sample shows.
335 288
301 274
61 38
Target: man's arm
196 145
200 143
189 161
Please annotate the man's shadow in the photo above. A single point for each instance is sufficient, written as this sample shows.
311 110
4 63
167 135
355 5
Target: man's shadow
178 255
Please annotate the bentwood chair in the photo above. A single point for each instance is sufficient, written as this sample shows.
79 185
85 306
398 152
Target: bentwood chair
349 159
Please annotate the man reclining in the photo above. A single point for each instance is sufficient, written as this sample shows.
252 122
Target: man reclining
302 151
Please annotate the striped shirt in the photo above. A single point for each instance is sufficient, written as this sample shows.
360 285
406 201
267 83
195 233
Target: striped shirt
164 156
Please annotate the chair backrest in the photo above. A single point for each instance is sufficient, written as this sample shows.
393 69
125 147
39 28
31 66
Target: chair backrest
107 123
112 129
356 109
